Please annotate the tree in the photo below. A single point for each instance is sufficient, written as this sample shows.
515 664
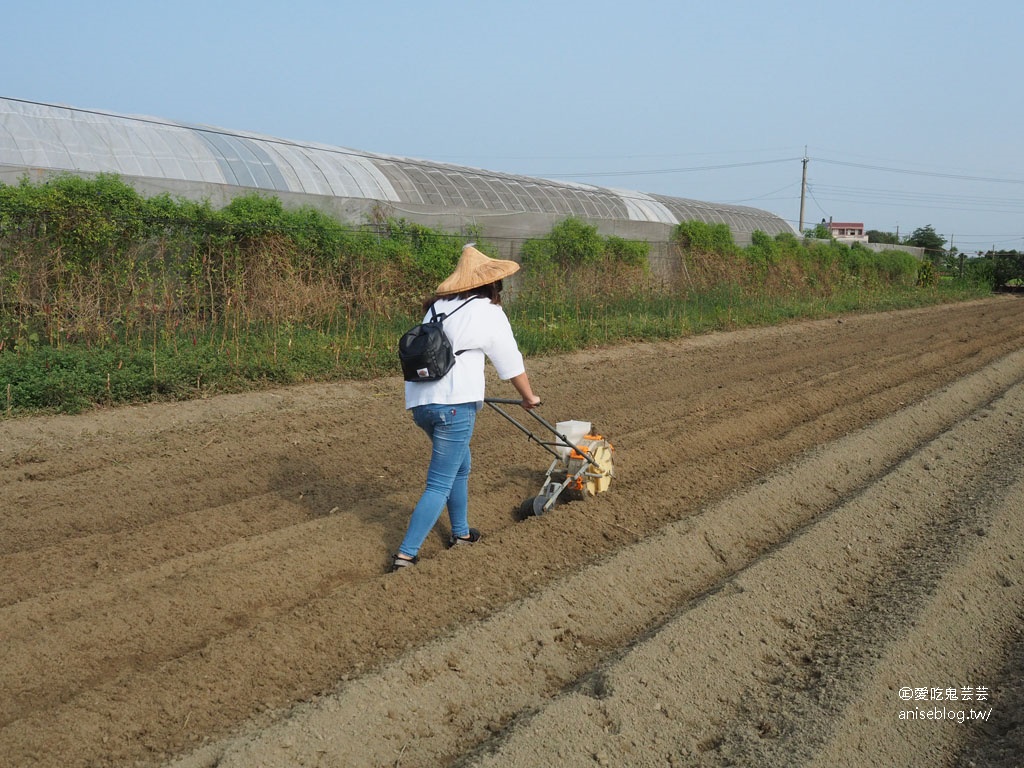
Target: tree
820 232
952 261
889 238
1007 267
926 237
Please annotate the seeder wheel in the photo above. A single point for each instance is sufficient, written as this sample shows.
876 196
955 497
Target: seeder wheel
578 480
534 506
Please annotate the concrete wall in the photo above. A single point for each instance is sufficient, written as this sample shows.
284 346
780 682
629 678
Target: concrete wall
879 247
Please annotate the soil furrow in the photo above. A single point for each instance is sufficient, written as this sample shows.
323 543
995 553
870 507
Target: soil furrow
776 670
547 641
174 572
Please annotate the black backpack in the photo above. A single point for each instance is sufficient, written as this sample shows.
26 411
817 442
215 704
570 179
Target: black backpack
425 352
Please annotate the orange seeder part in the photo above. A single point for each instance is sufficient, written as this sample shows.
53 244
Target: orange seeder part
575 454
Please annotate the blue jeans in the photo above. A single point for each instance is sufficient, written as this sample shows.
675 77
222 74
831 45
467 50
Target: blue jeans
449 427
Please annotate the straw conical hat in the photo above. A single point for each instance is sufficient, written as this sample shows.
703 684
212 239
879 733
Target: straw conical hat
475 269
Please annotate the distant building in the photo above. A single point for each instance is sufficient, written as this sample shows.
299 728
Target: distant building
848 231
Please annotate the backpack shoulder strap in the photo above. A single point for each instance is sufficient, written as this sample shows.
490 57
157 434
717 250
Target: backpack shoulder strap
441 317
438 318
463 304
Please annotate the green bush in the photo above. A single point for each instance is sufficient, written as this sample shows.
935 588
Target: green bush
538 254
895 267
708 238
785 264
90 261
980 271
107 297
1008 268
574 243
926 275
633 253
762 249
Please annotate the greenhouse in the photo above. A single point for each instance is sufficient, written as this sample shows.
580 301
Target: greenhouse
207 163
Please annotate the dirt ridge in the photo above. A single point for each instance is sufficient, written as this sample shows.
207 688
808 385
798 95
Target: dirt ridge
178 573
393 714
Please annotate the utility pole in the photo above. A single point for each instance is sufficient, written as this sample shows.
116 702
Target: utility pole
803 192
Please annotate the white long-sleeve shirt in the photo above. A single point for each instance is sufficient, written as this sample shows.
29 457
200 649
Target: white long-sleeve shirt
480 330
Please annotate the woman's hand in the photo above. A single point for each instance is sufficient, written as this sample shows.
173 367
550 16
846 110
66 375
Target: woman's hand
522 385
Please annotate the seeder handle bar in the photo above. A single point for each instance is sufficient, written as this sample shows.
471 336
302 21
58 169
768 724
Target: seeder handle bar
494 402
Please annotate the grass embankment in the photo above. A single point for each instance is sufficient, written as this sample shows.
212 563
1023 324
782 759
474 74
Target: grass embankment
109 298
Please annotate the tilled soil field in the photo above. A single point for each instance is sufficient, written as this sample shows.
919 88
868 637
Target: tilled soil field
812 554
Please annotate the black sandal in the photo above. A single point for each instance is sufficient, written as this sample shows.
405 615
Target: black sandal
473 537
398 563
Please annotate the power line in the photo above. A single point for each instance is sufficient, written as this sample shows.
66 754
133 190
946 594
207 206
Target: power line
927 196
766 195
655 171
934 174
838 194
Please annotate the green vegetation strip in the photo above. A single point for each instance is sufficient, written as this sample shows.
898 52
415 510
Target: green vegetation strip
109 298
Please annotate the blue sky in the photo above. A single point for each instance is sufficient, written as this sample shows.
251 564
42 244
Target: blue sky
911 113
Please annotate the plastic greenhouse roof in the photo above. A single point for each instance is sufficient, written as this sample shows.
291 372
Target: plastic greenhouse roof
52 137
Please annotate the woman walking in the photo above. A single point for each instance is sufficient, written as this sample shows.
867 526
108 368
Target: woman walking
446 409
